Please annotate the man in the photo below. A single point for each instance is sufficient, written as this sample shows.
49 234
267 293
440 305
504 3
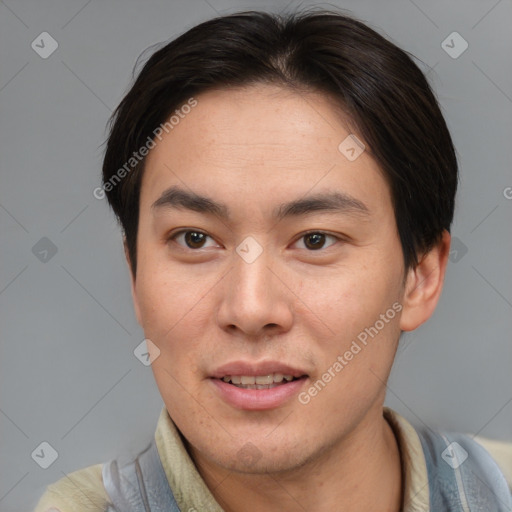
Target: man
286 189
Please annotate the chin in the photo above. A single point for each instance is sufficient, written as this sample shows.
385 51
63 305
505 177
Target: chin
261 464
255 455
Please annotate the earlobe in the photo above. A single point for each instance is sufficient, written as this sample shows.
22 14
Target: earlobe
132 282
424 284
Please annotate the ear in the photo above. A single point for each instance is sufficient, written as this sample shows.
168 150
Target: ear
424 284
132 282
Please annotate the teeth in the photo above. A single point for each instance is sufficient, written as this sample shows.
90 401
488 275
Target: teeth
265 379
259 381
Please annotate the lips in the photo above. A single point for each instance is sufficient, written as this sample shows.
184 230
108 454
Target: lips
258 386
263 369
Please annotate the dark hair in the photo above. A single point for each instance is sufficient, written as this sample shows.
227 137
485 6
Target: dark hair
377 85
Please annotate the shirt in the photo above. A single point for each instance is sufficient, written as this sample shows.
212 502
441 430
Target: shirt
83 490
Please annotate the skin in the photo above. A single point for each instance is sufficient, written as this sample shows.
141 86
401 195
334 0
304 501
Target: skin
252 149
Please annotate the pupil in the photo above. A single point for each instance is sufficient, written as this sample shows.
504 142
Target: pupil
317 240
193 237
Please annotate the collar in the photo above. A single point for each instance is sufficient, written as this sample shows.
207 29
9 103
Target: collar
191 492
414 467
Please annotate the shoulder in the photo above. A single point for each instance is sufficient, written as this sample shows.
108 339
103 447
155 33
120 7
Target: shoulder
81 490
461 472
501 452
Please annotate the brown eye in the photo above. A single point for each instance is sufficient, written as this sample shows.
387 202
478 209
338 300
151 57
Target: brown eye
314 240
194 239
191 239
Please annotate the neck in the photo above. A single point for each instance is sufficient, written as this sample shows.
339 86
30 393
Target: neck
359 472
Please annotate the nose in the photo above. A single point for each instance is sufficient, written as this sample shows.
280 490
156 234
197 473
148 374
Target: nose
255 301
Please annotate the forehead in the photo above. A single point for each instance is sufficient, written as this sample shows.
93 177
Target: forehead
260 140
265 117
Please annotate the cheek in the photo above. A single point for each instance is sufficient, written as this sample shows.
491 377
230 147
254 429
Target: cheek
351 297
173 319
165 294
360 307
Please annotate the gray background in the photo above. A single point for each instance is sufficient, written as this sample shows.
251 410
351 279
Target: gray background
68 373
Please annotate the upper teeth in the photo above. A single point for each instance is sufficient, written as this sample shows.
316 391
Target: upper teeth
258 379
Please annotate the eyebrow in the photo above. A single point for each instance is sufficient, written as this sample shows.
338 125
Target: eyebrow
337 202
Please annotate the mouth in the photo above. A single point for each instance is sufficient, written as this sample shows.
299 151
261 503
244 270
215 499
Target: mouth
257 386
269 381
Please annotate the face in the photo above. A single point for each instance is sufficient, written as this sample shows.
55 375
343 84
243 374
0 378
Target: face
264 255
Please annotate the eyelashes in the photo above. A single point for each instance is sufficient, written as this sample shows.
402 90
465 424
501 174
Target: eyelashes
193 239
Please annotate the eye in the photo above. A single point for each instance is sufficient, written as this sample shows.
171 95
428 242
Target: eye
193 239
315 240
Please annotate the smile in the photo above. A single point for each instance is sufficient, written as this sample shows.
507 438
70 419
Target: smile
258 381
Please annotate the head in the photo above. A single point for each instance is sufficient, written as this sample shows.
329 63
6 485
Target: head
287 212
